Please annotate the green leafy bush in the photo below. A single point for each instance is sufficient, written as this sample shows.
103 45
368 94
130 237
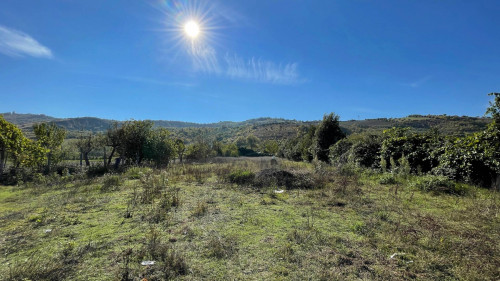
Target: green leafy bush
135 172
439 184
241 177
111 182
387 179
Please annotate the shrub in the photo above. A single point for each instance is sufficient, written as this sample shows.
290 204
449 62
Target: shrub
241 177
200 209
135 172
439 184
111 182
290 180
222 247
387 179
97 171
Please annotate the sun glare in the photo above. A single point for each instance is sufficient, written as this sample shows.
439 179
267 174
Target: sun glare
192 29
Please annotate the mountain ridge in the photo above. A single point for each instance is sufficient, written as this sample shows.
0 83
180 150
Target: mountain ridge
267 127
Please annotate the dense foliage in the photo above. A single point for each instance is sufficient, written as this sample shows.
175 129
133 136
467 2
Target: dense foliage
22 152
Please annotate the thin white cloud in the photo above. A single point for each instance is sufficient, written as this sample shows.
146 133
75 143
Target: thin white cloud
19 44
261 70
205 59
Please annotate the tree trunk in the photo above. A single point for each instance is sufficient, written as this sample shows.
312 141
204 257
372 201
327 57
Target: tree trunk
104 157
111 155
3 160
49 156
81 159
86 157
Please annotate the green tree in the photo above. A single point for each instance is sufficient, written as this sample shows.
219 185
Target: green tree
22 151
113 138
180 148
305 144
50 137
135 134
327 134
271 147
253 142
241 142
86 144
159 147
494 108
230 150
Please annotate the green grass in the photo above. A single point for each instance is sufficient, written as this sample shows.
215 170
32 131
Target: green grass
199 226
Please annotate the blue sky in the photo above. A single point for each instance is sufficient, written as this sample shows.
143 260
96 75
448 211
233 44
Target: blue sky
292 59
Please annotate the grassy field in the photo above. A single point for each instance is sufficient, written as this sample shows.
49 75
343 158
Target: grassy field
229 221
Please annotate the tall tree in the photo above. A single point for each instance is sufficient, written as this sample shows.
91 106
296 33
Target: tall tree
86 144
327 134
10 141
253 142
159 147
22 151
50 137
180 148
135 136
113 138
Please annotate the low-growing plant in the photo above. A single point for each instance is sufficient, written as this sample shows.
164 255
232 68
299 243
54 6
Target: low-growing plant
200 209
136 172
221 247
439 184
241 177
111 182
387 179
97 170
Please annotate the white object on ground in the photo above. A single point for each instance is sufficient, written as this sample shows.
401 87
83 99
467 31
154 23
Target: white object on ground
147 262
396 254
48 230
279 191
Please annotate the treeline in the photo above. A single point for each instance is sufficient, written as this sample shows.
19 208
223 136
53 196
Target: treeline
474 158
125 143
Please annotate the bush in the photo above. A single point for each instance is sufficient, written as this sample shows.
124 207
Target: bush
135 172
17 176
290 180
97 171
222 247
241 177
67 169
111 182
439 184
387 179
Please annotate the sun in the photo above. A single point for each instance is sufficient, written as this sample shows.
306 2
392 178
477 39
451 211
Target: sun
192 29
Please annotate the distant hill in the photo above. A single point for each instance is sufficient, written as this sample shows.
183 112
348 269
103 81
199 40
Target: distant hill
264 128
447 125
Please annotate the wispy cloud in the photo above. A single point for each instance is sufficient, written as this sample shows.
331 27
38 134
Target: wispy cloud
19 44
261 70
205 59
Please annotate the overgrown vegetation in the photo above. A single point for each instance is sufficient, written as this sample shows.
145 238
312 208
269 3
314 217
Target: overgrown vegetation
396 205
158 224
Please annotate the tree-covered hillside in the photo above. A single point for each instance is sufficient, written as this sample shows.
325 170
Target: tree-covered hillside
264 128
